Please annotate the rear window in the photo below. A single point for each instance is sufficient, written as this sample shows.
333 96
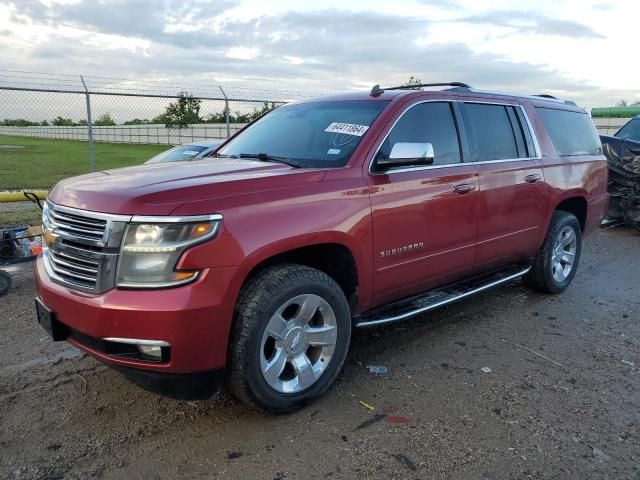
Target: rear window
572 133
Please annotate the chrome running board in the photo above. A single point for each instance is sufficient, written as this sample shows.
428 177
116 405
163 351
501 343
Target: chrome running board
410 307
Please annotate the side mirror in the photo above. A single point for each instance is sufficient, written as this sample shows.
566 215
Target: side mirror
408 153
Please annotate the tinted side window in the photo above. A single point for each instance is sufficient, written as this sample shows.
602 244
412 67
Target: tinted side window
493 132
431 122
572 133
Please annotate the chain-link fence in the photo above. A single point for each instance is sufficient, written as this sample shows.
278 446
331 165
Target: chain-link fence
97 109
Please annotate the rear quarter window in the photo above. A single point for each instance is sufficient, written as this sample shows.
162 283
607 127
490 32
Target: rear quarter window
572 133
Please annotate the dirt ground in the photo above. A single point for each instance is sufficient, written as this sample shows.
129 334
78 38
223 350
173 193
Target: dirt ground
569 410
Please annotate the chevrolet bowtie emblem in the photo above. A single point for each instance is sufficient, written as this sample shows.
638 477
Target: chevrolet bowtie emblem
49 237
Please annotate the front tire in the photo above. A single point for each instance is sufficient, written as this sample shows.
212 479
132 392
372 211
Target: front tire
290 339
557 261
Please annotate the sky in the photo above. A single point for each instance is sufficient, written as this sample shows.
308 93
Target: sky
576 49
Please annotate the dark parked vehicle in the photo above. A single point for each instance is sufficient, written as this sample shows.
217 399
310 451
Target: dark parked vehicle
623 154
321 216
630 130
188 151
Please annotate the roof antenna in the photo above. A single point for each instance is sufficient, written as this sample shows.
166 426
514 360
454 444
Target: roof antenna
376 91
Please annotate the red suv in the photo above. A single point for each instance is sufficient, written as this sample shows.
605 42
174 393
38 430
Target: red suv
343 212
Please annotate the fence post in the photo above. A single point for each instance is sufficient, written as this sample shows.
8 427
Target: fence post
226 111
92 155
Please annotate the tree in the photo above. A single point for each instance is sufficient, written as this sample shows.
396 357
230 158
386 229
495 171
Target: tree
184 111
266 107
63 122
162 118
104 120
138 121
238 117
622 103
18 122
413 81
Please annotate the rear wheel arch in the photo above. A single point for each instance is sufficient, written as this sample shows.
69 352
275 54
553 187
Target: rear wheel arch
576 205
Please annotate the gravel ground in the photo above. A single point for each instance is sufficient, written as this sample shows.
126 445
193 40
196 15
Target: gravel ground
569 410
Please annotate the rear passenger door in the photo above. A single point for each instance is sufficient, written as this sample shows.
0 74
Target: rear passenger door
512 202
424 216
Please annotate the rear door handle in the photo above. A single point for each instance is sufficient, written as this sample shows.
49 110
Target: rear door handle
463 188
533 178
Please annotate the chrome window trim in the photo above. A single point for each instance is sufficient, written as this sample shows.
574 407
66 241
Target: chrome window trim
416 168
179 219
538 155
461 163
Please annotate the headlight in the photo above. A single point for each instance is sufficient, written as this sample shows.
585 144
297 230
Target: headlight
150 251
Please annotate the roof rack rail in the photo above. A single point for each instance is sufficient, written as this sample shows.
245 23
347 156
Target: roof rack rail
376 90
551 97
543 96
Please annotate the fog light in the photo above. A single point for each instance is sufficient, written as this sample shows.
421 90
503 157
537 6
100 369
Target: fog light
152 351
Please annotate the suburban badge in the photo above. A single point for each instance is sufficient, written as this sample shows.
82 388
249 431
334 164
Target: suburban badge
405 248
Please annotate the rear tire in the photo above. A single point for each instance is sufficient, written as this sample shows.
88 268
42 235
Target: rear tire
290 338
555 265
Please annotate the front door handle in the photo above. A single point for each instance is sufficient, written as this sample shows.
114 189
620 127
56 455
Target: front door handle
463 188
533 178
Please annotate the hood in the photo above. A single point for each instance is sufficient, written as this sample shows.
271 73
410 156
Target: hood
158 189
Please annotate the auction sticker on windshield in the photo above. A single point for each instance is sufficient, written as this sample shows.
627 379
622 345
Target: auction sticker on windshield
347 128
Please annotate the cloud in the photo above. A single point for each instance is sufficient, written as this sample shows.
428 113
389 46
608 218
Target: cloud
535 23
324 50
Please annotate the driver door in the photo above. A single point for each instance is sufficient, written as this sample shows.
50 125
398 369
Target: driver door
425 217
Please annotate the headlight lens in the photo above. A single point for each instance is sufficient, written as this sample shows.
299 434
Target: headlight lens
150 252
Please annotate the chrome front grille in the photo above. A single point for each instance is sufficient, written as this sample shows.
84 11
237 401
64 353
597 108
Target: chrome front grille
82 247
74 268
77 225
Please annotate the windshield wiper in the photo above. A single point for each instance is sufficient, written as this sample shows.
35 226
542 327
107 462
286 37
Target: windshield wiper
271 158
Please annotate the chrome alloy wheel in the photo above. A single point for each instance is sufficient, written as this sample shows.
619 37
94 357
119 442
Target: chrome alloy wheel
298 343
564 254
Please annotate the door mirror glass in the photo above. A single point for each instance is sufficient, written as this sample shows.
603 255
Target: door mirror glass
409 153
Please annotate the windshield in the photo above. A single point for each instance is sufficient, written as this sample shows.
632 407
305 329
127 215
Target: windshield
319 134
176 154
631 131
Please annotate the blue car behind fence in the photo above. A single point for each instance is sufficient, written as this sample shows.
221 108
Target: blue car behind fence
188 151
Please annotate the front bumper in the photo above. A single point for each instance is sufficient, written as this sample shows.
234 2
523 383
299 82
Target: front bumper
194 319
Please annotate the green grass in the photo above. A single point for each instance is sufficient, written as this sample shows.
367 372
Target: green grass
30 216
41 163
